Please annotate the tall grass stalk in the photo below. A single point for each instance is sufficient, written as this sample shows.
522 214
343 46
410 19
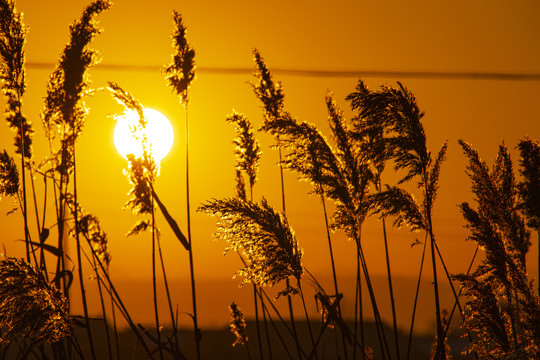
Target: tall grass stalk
154 282
180 73
13 76
79 260
395 112
413 316
247 151
271 95
332 262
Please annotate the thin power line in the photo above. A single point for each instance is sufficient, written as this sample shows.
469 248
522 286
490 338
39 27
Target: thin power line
448 75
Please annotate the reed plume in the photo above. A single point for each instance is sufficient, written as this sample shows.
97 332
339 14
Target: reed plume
237 324
30 307
395 113
267 90
64 109
502 308
181 71
9 176
247 148
529 188
142 171
263 236
13 75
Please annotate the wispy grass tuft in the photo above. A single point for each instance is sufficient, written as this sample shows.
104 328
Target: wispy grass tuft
181 72
9 176
247 148
263 236
237 325
30 308
13 75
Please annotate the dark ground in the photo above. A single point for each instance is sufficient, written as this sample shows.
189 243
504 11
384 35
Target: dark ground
217 344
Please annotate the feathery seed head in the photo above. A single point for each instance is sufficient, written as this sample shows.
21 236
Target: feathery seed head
247 148
30 307
237 325
268 242
64 112
12 74
9 176
529 188
270 93
141 171
181 72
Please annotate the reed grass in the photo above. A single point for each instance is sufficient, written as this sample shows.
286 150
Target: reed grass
498 304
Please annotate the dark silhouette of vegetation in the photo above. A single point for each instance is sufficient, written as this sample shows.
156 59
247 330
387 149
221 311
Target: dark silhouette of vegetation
499 308
502 310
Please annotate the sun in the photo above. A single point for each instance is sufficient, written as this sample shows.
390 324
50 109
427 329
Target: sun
158 131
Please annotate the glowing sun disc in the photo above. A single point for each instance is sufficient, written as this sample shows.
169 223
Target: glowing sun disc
159 133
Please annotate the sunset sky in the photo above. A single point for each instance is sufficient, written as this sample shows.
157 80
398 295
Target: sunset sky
311 38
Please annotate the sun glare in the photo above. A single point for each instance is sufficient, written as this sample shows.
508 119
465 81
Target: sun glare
159 133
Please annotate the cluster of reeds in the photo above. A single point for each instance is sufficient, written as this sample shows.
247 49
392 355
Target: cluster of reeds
502 308
387 128
498 307
35 300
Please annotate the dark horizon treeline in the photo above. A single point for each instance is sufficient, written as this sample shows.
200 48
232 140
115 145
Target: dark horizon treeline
495 303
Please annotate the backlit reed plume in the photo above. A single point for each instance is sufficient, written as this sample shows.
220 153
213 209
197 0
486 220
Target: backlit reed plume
248 152
9 176
371 142
181 71
13 79
502 308
12 74
63 117
30 307
64 112
529 188
263 236
341 174
395 112
247 148
237 324
142 171
267 90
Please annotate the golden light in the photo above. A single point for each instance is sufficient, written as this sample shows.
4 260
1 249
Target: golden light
158 132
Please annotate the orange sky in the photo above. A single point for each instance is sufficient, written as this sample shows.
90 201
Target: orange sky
461 36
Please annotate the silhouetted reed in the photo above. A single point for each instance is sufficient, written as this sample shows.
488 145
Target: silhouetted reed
9 176
63 117
501 313
237 324
264 237
529 188
32 309
502 309
179 75
141 173
396 113
248 153
13 76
